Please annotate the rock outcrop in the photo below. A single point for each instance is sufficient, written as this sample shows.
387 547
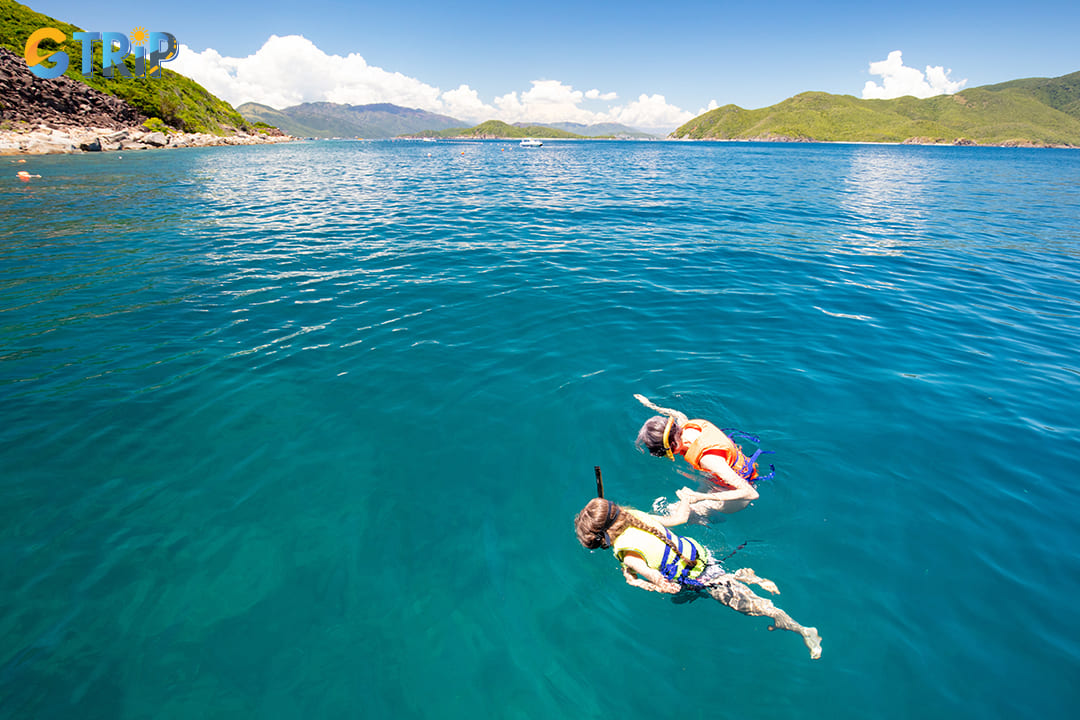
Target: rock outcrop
59 102
44 140
62 115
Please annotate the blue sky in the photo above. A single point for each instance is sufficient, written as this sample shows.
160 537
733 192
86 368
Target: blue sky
653 63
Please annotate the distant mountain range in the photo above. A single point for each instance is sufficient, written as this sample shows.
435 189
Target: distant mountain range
326 120
1034 111
596 130
496 129
1030 112
383 120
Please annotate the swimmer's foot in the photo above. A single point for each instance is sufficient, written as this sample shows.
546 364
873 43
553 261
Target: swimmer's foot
660 506
813 641
769 585
747 575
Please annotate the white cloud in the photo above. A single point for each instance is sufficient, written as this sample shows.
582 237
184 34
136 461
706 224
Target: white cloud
546 101
650 112
291 70
711 106
595 94
898 80
465 103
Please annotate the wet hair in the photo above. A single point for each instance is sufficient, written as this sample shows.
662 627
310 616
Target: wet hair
601 521
651 435
593 524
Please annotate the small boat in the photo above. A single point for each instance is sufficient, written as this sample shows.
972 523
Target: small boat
531 142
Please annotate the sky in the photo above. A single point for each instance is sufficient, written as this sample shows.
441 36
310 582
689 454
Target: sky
647 65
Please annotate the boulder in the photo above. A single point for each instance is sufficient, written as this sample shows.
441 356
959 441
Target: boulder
45 146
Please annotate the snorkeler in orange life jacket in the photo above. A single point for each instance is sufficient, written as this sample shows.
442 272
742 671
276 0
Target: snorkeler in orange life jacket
707 448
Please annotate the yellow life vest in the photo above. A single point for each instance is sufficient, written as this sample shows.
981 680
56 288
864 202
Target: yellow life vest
658 555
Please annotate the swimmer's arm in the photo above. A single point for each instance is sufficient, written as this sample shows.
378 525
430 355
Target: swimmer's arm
719 467
639 574
717 498
680 417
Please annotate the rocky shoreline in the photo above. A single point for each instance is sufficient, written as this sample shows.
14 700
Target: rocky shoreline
61 115
44 139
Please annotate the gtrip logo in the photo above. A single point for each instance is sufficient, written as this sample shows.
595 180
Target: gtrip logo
148 49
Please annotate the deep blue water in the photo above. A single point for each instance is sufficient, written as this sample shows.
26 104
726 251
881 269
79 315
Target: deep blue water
299 431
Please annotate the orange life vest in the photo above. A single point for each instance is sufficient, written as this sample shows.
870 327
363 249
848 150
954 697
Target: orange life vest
713 441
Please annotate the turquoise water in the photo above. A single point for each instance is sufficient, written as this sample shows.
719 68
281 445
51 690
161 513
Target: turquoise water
299 431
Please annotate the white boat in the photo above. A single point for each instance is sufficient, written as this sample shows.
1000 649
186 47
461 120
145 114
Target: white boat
531 142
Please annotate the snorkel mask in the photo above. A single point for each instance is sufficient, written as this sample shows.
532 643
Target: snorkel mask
613 513
667 435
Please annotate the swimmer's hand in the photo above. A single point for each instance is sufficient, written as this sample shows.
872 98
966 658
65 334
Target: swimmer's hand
666 586
661 584
685 493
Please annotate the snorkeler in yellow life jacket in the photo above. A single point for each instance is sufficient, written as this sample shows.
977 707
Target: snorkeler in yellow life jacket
679 559
656 559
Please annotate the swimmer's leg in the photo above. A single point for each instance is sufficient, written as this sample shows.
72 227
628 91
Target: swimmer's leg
737 596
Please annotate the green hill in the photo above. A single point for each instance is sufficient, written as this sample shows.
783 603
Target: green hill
256 112
1061 93
1038 111
495 129
179 101
600 130
324 119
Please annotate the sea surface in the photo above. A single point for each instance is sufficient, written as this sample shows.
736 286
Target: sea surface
299 431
